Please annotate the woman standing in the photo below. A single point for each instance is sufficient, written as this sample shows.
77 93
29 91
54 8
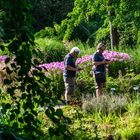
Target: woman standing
99 68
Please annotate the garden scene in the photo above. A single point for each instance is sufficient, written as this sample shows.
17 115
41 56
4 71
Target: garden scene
36 36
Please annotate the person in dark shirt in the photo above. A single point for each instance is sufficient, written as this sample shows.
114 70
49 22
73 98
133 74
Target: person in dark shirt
69 72
99 68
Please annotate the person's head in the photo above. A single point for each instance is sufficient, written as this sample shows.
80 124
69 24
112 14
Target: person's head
101 47
75 51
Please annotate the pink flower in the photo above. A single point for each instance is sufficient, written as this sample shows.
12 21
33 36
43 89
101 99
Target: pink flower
58 67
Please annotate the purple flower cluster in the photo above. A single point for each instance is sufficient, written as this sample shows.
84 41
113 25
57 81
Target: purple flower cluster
53 66
83 59
116 56
3 58
59 66
111 55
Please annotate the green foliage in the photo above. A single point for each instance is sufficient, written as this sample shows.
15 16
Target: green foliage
26 87
102 34
128 66
2 14
82 22
134 64
82 127
116 69
49 32
48 12
89 21
57 84
50 50
85 82
8 133
125 24
129 125
123 84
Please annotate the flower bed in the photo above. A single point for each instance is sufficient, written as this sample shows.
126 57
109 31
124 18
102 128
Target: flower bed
111 55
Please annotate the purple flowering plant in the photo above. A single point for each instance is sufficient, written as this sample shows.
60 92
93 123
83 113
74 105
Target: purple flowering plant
58 67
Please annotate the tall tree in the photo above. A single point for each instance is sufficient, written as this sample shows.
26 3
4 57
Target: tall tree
47 12
114 15
113 31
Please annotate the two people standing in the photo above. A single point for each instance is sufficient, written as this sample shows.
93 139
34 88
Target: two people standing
70 69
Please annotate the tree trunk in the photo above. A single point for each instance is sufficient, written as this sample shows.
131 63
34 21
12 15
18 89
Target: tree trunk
113 31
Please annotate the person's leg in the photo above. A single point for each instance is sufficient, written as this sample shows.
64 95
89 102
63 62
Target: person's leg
69 88
98 90
67 95
99 82
98 86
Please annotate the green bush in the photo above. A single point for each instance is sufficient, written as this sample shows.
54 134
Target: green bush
134 64
51 50
123 84
117 68
48 31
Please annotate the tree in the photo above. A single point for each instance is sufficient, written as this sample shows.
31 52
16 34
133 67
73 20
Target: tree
27 87
48 12
121 17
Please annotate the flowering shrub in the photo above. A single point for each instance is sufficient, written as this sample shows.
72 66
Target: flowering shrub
111 55
116 56
57 67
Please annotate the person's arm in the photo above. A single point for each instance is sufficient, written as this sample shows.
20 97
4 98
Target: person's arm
68 67
96 63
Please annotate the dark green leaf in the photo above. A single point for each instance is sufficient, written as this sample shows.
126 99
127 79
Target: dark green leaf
25 106
59 112
48 113
7 106
28 118
23 96
7 81
11 91
15 125
12 117
34 112
20 120
3 105
17 111
14 46
51 131
2 47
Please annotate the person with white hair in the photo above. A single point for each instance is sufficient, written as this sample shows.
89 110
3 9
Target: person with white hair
99 68
69 73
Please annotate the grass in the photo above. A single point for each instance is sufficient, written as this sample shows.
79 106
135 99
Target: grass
113 125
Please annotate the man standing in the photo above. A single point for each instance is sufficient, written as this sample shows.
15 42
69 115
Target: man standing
69 74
